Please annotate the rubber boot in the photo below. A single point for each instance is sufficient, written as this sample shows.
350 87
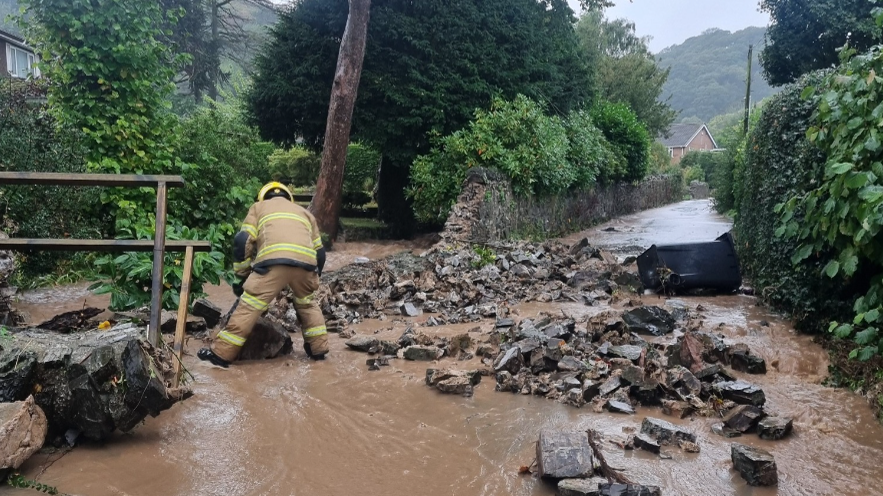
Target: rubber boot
206 354
310 354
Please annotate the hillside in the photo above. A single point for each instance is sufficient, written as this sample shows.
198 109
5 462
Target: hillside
7 8
708 72
256 19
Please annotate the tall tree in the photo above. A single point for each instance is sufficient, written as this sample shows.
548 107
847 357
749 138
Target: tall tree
804 35
327 200
212 32
626 71
427 67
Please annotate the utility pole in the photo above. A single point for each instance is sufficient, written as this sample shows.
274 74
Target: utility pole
748 91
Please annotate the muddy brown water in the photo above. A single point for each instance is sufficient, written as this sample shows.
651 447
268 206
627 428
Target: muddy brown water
293 427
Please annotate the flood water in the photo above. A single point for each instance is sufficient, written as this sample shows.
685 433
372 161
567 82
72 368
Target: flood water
294 427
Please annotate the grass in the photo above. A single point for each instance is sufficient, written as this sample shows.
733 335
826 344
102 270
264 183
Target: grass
362 223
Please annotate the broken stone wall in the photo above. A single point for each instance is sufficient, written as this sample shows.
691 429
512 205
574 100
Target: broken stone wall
699 190
488 210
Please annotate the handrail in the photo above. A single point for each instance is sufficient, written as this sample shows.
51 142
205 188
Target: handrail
102 245
107 180
158 245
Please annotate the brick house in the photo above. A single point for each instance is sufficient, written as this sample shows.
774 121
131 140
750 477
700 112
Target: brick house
17 57
685 138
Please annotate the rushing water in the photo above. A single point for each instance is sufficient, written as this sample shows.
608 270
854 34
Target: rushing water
293 427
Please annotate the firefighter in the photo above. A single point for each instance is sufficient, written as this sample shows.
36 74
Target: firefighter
278 245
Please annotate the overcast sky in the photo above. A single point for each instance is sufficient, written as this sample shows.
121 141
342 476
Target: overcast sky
670 22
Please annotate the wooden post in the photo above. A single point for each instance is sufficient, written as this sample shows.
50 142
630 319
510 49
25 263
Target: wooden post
184 302
159 250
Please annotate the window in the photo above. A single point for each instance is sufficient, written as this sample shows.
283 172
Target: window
19 63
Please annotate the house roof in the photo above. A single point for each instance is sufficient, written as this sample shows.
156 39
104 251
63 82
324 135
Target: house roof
8 33
680 134
13 38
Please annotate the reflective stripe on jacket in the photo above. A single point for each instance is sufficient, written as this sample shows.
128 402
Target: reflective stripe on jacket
280 232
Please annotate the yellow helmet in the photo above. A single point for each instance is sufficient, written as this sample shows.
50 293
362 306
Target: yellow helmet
274 189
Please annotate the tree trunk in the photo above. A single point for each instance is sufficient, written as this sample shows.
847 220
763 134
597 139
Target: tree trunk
214 71
327 200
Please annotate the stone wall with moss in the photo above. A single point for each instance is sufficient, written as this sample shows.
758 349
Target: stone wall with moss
487 209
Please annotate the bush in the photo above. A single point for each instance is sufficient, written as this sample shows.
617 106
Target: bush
362 164
541 155
694 173
32 141
589 152
707 164
628 136
783 164
516 138
296 166
130 273
660 158
224 163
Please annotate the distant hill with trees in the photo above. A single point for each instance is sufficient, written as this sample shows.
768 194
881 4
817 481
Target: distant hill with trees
707 76
7 8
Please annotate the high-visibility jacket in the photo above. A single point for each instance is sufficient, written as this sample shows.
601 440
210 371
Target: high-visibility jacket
277 231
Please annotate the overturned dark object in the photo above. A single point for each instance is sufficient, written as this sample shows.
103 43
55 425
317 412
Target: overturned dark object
685 267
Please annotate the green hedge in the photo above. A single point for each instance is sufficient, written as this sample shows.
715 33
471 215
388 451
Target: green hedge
296 166
542 155
628 135
781 164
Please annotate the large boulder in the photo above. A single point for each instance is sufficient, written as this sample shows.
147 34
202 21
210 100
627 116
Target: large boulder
649 320
564 455
665 432
210 312
741 392
268 339
756 466
22 432
90 383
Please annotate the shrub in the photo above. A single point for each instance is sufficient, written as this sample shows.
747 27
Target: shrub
362 164
130 273
706 162
224 162
694 173
783 164
660 158
589 152
296 166
515 137
628 136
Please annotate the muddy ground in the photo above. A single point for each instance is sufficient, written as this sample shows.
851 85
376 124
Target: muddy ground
291 426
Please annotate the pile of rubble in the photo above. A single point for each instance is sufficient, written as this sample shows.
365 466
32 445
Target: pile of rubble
461 284
608 365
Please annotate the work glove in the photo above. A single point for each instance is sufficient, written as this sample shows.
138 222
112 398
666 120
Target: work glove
237 287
